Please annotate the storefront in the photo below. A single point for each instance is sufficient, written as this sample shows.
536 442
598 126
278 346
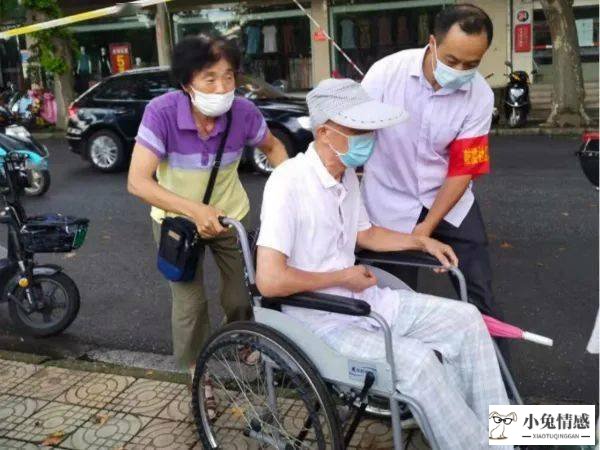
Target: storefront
10 64
275 39
110 46
11 16
370 30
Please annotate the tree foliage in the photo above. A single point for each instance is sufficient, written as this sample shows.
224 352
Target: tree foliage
45 49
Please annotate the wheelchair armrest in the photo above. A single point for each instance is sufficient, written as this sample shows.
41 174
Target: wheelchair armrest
323 302
403 258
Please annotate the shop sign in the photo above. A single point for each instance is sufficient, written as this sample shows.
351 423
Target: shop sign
523 16
523 38
319 35
120 57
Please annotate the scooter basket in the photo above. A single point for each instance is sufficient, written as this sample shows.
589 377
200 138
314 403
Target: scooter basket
53 233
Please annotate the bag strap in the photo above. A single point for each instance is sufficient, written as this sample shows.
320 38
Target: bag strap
217 165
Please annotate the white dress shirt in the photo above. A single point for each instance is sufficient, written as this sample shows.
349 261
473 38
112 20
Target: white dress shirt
411 160
314 220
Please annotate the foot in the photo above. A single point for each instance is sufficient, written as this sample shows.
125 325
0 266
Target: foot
210 403
248 356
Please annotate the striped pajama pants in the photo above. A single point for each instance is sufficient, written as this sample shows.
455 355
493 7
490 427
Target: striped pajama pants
454 395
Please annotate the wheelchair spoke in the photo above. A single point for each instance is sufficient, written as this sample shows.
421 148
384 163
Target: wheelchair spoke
246 389
267 402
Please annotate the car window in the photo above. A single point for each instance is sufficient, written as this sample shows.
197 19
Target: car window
156 84
257 89
121 88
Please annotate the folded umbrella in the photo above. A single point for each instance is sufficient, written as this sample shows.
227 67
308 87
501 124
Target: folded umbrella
497 328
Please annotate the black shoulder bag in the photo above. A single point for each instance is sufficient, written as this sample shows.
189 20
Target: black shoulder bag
180 241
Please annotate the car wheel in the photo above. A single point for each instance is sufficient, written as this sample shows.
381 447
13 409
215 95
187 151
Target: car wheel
106 151
259 161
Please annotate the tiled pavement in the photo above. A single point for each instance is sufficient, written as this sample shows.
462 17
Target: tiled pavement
89 410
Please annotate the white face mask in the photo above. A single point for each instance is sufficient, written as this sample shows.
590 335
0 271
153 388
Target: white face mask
212 105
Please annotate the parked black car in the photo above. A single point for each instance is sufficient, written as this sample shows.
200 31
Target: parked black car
103 121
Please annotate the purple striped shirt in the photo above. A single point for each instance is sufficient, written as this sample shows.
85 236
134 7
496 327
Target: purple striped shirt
169 131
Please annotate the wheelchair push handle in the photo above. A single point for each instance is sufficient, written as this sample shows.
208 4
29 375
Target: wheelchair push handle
244 244
224 221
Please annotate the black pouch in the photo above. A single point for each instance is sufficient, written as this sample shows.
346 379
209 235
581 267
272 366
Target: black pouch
180 241
178 249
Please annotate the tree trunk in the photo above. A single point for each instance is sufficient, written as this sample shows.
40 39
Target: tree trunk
163 35
64 84
568 93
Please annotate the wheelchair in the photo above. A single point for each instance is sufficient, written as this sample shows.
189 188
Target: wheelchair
301 393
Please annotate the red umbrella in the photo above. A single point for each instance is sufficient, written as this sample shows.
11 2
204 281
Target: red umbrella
498 328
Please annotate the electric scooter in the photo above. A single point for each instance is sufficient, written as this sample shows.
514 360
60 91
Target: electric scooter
516 98
42 299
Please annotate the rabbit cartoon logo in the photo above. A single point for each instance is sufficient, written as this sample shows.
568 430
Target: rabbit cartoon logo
498 424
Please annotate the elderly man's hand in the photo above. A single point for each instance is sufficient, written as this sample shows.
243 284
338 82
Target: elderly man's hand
358 278
441 251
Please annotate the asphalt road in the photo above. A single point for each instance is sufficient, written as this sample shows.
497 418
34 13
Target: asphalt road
542 219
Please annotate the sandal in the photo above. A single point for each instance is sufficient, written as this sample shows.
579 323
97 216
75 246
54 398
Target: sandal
248 356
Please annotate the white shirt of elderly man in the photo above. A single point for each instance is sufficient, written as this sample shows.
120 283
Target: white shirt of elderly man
312 220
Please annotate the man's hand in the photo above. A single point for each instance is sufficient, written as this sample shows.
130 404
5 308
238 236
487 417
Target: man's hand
206 219
441 251
358 278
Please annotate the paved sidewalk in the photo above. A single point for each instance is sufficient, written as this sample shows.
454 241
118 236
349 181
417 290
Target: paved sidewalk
78 409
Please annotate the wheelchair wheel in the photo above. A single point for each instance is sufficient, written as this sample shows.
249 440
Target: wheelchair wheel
279 402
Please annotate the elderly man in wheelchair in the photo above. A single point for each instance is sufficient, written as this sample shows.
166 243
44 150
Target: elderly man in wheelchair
334 336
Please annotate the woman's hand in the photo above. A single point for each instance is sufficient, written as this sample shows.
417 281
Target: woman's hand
207 222
439 250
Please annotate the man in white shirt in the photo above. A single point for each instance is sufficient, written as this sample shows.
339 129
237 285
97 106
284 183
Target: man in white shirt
312 219
419 179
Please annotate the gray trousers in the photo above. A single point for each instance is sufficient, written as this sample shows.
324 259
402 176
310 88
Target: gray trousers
190 324
454 395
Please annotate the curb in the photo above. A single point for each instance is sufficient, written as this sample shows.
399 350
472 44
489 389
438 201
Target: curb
531 131
538 131
48 134
94 366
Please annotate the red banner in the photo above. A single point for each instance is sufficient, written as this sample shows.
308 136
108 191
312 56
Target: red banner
120 57
523 38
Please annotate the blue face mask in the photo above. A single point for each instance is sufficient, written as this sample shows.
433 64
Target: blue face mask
360 148
450 78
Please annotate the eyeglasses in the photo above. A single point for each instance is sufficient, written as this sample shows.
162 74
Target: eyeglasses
506 420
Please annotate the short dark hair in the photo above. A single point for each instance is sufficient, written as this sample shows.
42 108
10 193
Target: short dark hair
195 53
470 18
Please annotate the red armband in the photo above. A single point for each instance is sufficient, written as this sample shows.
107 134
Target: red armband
469 156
